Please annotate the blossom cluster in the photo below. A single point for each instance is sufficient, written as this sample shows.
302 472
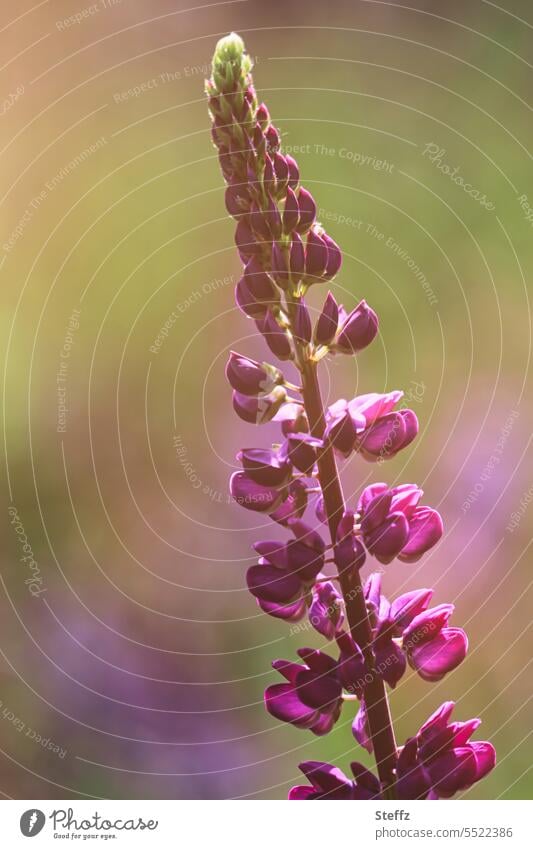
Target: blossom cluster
285 251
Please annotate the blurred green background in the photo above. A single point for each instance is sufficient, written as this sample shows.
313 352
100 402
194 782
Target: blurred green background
132 659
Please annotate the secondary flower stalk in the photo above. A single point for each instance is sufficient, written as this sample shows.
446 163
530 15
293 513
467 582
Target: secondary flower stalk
286 253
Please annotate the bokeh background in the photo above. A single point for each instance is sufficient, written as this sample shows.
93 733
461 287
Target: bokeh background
133 665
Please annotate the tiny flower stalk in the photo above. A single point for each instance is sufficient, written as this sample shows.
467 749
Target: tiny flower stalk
372 642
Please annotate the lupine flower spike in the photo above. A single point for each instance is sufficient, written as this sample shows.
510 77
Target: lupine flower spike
286 255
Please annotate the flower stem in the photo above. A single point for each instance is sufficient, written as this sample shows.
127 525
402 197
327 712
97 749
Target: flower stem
377 705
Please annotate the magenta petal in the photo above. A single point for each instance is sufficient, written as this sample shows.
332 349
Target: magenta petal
425 529
387 541
411 426
294 505
361 730
341 433
325 777
376 511
368 495
374 405
300 792
326 326
282 702
407 606
316 255
264 467
292 612
383 439
426 625
440 655
437 721
252 495
271 584
334 257
485 755
318 691
405 498
390 661
452 771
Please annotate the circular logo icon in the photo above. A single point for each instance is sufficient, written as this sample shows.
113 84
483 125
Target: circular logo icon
32 822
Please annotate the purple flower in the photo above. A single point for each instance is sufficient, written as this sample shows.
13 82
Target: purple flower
433 649
293 505
248 377
312 698
329 782
441 761
286 572
358 330
301 450
252 495
394 525
326 614
265 467
367 425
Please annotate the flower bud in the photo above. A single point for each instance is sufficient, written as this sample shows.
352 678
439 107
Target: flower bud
259 410
246 301
326 326
272 139
334 257
290 212
358 330
294 171
276 337
316 256
307 208
248 377
303 329
262 116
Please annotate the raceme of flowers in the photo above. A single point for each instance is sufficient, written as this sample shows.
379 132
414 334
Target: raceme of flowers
285 251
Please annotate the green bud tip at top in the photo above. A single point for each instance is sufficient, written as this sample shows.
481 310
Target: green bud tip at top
231 63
